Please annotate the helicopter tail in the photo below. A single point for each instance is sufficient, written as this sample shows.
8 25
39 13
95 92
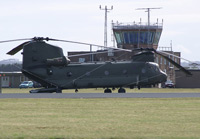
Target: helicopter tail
38 57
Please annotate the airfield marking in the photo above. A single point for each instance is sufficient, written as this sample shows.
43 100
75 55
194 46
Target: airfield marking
101 95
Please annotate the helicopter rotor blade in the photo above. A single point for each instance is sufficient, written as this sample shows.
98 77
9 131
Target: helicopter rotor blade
163 54
17 49
175 56
15 40
89 44
173 62
92 53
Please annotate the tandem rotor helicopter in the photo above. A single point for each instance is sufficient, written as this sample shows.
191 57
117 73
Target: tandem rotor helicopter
47 65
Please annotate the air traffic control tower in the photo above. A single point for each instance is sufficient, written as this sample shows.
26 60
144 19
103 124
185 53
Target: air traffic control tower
132 35
137 35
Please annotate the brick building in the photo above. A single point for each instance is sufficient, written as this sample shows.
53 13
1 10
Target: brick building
12 79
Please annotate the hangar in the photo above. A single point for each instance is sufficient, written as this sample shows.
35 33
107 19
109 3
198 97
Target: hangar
185 81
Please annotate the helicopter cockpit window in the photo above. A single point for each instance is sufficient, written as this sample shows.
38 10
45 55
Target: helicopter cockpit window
157 69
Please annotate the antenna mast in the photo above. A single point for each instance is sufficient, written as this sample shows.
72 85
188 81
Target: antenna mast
105 25
148 11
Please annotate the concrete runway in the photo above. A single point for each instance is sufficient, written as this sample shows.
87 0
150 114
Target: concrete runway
101 95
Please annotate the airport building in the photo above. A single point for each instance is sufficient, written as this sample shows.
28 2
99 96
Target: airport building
12 79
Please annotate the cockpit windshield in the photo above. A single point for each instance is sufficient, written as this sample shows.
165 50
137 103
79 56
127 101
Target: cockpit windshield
154 66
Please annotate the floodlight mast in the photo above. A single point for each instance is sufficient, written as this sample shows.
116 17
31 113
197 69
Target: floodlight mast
148 11
105 25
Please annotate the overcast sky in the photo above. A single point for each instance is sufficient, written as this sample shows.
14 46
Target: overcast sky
82 20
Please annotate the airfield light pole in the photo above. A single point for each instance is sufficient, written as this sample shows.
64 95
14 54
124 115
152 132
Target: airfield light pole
105 25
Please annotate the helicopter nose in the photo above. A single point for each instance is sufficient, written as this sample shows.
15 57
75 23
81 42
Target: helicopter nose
163 76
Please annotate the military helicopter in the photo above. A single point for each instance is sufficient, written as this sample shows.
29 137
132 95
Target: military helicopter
46 64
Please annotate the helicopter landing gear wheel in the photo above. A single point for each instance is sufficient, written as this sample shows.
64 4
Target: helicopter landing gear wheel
121 90
107 90
58 90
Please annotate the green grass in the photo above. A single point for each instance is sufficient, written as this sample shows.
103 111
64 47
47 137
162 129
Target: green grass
100 90
100 118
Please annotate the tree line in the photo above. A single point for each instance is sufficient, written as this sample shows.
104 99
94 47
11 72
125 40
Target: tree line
10 67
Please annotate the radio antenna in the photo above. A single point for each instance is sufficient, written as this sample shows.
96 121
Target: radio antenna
148 11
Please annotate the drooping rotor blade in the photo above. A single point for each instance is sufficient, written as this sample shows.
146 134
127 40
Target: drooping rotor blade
175 56
17 49
161 53
173 62
89 44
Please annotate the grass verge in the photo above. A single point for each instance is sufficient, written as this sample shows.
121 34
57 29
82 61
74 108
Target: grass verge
100 118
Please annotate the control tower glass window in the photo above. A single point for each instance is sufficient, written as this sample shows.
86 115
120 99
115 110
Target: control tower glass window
151 37
146 37
130 37
157 37
135 37
118 37
126 38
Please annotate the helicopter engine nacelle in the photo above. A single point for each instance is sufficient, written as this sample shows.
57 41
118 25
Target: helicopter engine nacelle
59 61
147 56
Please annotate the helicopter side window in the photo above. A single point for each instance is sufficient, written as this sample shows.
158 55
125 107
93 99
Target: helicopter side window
87 73
143 70
49 71
106 73
69 74
124 71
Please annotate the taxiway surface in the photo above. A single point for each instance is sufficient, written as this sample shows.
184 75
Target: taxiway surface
101 95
